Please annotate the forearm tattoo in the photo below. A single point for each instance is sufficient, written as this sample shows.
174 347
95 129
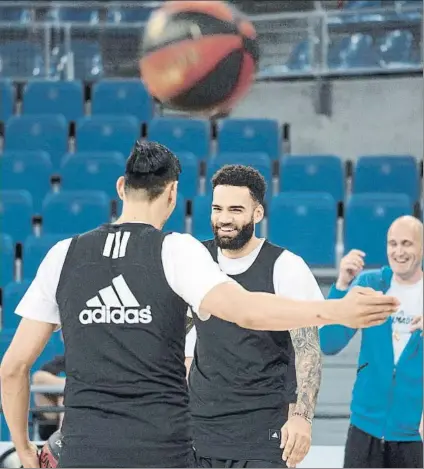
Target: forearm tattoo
308 369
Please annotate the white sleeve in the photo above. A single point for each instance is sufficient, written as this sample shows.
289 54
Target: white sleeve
191 338
294 279
39 302
190 270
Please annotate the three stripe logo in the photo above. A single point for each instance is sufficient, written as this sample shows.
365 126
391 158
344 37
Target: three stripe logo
116 244
115 304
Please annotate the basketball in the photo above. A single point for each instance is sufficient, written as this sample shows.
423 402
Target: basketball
199 56
50 452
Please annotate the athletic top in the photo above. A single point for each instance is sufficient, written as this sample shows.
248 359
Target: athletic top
120 293
242 381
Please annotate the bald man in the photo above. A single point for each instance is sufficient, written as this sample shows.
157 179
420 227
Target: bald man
387 399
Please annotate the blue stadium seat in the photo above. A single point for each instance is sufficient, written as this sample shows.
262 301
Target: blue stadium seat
367 219
16 211
128 97
396 47
87 60
21 59
75 211
313 173
74 14
92 171
34 250
27 170
7 97
248 136
181 135
107 133
188 184
305 223
7 251
259 161
176 221
360 52
129 14
389 174
201 223
12 294
54 97
12 14
299 58
48 133
358 4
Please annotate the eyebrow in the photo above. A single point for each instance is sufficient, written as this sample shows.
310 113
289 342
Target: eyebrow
231 206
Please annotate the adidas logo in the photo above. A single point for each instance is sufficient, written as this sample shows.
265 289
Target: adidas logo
115 304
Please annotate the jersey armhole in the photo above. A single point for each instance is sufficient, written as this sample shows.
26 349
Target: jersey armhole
68 255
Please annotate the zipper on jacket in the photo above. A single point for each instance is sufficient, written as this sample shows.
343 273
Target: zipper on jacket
390 401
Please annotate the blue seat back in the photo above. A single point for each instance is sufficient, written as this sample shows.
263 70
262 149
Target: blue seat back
314 173
107 133
305 223
201 223
54 97
388 174
181 135
7 252
92 171
75 211
124 97
176 221
188 184
7 98
41 132
27 170
16 211
12 295
367 219
35 249
249 136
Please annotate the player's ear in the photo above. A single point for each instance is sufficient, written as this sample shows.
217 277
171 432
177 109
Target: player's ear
258 214
173 192
120 183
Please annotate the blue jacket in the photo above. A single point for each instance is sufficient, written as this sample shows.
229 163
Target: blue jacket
387 400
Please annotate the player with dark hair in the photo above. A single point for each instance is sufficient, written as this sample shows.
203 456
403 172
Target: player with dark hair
242 382
120 293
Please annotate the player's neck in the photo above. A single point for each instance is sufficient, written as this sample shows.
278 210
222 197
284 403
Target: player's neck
147 214
250 246
413 279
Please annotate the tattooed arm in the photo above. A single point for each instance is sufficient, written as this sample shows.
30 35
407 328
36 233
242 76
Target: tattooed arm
308 370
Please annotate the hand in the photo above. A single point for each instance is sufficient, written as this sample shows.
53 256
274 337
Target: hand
29 456
295 440
417 324
350 266
364 307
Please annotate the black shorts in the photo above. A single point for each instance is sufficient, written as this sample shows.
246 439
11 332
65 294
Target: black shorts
212 462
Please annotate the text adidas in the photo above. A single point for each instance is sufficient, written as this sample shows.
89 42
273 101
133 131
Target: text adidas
115 315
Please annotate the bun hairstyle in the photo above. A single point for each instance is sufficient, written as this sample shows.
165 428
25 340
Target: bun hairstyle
151 167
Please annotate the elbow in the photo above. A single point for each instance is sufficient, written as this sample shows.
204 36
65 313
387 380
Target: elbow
10 370
249 320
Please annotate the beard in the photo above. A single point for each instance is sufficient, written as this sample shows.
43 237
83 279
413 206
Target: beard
234 243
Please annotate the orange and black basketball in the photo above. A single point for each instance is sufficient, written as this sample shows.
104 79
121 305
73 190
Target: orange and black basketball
199 56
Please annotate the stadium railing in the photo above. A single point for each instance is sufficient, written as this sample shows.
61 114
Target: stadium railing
317 43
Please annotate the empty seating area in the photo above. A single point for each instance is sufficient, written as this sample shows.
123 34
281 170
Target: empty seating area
104 39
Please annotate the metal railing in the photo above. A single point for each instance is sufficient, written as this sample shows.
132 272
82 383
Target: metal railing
291 44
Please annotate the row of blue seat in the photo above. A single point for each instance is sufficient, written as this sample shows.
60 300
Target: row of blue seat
314 173
128 97
303 222
119 132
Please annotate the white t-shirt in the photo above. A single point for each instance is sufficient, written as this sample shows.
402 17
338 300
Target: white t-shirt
411 305
292 278
189 269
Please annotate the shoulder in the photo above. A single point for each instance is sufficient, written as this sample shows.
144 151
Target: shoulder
370 277
57 253
182 245
289 262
